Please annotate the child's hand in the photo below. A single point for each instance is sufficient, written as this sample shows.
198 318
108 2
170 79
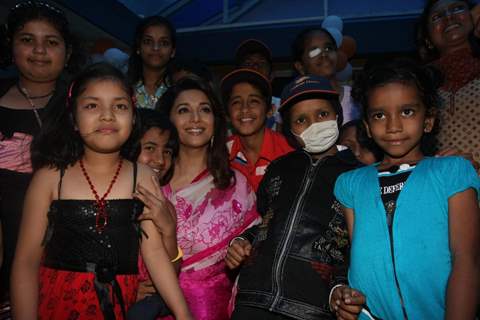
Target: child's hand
158 209
347 303
237 253
145 289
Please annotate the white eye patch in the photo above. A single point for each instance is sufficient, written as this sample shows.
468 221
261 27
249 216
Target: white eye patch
314 52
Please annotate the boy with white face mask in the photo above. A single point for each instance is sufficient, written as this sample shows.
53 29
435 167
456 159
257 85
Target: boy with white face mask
294 260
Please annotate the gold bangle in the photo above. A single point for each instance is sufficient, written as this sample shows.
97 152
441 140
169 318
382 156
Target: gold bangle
179 255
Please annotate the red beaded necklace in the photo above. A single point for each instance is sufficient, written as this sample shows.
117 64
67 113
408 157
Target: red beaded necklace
101 217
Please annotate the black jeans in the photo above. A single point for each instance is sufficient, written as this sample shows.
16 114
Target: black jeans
253 313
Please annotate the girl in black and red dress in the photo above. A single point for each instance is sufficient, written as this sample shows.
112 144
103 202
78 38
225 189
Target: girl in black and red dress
79 230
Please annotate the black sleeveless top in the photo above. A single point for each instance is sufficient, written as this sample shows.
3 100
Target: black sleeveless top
72 242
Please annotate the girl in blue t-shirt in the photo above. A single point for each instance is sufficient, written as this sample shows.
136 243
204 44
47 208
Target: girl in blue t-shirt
414 221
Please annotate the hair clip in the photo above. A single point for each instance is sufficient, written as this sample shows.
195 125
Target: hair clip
36 4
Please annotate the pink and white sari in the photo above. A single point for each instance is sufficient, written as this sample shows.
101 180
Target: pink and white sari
208 218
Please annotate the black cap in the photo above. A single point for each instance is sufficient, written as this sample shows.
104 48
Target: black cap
307 87
245 75
252 46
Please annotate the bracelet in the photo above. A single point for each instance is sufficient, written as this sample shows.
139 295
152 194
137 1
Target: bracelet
236 238
331 293
179 255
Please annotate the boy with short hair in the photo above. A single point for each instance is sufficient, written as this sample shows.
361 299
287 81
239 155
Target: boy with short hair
247 97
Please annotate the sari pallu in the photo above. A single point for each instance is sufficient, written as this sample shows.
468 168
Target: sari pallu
207 219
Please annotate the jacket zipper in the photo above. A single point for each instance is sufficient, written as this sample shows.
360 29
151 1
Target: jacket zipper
395 271
281 259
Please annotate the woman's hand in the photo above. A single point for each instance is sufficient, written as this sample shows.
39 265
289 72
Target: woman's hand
459 153
158 209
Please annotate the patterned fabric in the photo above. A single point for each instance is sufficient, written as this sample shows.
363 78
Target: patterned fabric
15 153
66 295
73 246
17 129
208 218
146 100
458 68
459 117
460 121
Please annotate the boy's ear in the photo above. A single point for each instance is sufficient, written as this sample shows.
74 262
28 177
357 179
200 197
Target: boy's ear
367 129
428 124
299 67
269 110
269 113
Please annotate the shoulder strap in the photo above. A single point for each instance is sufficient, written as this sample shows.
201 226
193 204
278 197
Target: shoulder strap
134 176
62 173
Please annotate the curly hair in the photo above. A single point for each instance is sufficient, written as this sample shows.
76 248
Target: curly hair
59 145
425 79
135 63
27 11
217 160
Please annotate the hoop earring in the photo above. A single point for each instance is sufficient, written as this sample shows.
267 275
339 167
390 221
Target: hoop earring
211 142
428 44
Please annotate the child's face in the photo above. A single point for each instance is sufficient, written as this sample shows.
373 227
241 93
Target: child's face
104 116
349 139
192 115
307 112
397 120
323 64
257 62
449 24
155 152
156 47
247 109
39 51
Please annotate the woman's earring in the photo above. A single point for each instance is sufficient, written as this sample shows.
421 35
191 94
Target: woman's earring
211 142
428 44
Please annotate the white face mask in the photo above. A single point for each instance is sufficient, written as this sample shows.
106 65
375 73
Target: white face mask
319 136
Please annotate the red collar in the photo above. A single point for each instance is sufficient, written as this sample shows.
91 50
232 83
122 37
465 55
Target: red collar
267 151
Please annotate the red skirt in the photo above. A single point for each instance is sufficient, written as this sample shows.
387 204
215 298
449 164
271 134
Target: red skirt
71 295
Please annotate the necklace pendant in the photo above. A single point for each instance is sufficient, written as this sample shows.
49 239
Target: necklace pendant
102 218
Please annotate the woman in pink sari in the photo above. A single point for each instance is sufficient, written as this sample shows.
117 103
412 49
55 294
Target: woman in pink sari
213 202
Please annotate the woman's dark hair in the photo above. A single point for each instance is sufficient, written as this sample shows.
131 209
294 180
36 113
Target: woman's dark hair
287 114
298 45
135 63
426 79
425 49
59 145
27 11
217 162
148 119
